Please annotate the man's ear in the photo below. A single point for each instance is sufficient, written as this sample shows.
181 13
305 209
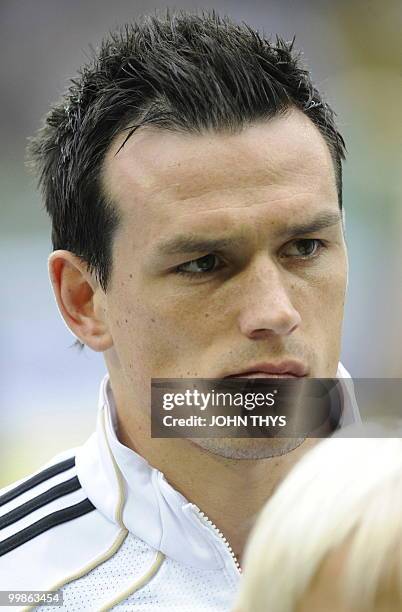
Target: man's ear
80 299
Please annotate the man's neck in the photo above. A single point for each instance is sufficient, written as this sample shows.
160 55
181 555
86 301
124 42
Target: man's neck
231 492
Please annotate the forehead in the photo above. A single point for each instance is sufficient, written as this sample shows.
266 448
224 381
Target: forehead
275 167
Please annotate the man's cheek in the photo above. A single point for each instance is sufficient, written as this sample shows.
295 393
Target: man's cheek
333 289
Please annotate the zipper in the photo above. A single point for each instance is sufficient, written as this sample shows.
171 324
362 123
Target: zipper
219 533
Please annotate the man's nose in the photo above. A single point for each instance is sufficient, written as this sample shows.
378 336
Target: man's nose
267 308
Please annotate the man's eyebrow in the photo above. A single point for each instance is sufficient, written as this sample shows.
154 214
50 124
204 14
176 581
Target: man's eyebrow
185 243
319 222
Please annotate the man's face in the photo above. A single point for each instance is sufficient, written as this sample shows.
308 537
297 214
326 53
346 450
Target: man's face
270 289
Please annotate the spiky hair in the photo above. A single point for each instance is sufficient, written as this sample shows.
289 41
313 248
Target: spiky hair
181 72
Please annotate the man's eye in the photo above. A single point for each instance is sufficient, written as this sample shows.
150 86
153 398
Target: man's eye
304 248
198 267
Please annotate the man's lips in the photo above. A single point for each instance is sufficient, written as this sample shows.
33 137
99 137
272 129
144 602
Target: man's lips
284 369
262 375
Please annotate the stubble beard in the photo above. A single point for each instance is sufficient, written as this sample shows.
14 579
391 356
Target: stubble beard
258 448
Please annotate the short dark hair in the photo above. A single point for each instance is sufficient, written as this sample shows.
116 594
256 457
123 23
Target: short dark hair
181 72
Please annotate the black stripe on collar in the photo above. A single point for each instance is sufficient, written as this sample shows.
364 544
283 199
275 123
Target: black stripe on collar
52 520
37 479
68 486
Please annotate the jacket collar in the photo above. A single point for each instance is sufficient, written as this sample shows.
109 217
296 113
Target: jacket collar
129 491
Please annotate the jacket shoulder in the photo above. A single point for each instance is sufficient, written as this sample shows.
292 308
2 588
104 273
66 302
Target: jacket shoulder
48 527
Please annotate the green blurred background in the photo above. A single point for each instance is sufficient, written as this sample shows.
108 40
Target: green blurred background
48 391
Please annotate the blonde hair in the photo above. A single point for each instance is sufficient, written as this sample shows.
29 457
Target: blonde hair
343 487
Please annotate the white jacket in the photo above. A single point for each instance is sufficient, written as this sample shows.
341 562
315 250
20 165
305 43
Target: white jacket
104 526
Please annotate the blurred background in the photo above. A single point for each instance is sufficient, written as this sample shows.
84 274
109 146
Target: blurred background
48 390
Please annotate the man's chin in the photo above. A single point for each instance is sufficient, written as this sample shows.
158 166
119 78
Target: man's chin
246 448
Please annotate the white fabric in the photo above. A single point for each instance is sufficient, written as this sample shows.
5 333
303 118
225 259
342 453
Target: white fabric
131 561
174 587
95 559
